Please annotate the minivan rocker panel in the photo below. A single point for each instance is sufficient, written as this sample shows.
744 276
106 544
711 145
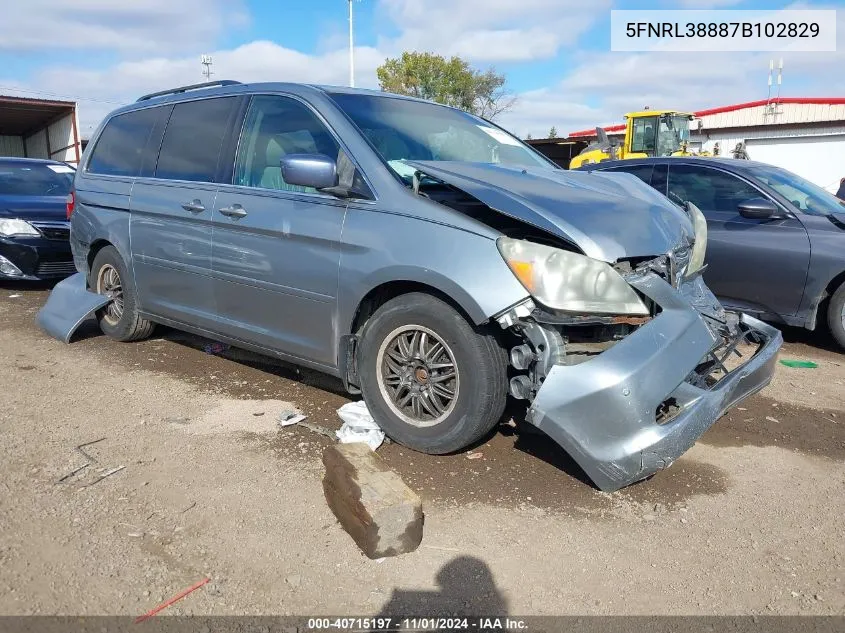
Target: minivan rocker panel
438 288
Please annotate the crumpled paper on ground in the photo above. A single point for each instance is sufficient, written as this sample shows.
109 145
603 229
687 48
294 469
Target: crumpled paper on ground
358 425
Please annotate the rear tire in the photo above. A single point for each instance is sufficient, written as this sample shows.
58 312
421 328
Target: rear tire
434 382
836 315
119 319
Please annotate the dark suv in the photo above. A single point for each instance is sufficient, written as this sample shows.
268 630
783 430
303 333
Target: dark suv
775 244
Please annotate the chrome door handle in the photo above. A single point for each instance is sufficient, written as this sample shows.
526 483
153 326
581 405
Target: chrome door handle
194 206
235 211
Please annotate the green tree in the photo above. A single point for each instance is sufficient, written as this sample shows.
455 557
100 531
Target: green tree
553 132
449 81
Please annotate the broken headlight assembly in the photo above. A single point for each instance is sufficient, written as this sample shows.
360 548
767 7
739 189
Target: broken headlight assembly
13 227
567 281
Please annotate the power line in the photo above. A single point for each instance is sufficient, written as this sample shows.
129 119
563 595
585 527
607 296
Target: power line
60 96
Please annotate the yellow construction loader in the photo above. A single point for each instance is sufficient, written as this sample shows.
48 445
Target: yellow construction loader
647 133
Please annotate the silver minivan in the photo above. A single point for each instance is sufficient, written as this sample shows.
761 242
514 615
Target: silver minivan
426 257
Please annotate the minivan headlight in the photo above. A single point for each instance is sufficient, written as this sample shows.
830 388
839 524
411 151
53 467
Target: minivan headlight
13 226
568 281
699 249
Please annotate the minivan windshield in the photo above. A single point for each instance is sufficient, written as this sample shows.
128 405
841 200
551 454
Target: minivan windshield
35 179
803 194
402 129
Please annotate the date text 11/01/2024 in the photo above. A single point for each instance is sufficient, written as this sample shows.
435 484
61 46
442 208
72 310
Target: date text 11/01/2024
385 624
722 29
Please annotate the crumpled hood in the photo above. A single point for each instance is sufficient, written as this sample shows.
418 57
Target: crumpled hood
608 216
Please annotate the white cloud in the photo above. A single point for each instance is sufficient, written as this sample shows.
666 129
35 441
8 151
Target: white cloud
257 61
490 30
537 111
119 25
598 90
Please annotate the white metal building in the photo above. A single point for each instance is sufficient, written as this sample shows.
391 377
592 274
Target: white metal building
803 135
38 128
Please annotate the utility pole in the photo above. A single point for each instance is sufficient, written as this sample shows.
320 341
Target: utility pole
351 49
205 60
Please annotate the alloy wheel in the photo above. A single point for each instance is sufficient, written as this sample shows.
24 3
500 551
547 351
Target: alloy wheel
109 284
417 375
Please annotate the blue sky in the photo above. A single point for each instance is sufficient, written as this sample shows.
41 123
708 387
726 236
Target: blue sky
555 53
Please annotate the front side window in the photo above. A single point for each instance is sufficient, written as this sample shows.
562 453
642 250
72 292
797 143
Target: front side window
276 126
193 139
402 129
120 149
33 179
709 189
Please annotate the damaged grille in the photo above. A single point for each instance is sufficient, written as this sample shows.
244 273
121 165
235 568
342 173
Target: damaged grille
730 354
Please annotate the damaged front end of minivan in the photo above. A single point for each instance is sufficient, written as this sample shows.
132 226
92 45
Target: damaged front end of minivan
624 359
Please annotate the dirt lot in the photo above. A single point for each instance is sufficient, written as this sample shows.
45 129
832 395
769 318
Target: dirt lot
749 521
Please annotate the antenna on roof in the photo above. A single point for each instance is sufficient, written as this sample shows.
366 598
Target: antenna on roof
206 61
772 105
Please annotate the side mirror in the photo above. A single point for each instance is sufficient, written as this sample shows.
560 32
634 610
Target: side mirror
758 209
309 170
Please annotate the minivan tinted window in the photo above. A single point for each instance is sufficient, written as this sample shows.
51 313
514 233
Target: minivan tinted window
120 149
193 139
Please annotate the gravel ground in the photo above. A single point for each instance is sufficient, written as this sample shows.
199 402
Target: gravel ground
749 521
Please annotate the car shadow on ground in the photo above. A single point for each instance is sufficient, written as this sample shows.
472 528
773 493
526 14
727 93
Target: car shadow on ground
466 588
534 442
820 338
254 360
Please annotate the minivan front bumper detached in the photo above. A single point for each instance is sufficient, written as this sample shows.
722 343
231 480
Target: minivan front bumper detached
604 412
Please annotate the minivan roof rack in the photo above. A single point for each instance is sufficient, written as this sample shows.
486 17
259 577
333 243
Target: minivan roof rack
173 91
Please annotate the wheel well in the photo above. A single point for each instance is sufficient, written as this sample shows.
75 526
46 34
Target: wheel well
821 307
95 248
834 284
380 295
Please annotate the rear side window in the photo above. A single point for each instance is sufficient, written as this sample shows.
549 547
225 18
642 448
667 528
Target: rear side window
120 149
193 139
643 172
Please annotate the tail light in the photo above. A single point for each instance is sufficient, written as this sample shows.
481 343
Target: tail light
70 202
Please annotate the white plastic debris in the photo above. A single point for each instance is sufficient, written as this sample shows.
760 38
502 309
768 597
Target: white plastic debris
358 425
292 420
290 415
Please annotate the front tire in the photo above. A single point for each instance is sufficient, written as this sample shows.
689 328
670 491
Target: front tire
431 380
836 315
119 319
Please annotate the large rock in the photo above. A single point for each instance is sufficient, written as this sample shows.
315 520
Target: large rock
372 503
